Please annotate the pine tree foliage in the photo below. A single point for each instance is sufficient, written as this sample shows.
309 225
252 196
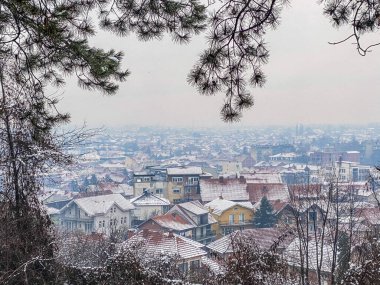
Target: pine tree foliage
264 216
49 39
363 16
236 52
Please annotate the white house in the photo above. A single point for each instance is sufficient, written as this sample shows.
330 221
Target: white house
148 205
102 214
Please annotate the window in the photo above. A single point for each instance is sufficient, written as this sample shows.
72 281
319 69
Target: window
192 180
177 179
88 227
313 216
100 224
194 264
159 191
146 179
241 218
204 219
187 190
104 224
176 190
183 267
231 219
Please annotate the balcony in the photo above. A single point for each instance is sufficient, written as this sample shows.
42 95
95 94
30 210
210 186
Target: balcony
208 235
237 223
191 183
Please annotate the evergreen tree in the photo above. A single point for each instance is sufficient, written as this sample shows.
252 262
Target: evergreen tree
264 216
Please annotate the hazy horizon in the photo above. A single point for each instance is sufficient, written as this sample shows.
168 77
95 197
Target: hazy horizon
308 81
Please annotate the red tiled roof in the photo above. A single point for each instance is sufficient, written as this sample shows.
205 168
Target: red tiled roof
273 192
169 243
264 238
173 221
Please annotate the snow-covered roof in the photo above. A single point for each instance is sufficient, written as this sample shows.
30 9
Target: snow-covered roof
212 265
263 238
231 189
194 207
100 204
169 244
218 206
262 177
149 199
292 254
193 170
51 211
173 221
273 192
284 155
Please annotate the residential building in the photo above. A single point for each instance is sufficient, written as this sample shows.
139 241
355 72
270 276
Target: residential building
199 216
230 215
102 214
234 189
148 205
264 238
183 184
266 184
191 254
170 222
348 171
153 179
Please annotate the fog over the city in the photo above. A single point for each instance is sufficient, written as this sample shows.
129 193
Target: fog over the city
309 81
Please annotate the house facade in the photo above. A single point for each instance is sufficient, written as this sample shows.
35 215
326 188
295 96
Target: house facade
148 205
231 216
102 214
199 216
183 184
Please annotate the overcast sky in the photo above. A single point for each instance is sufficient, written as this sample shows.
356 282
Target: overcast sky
309 81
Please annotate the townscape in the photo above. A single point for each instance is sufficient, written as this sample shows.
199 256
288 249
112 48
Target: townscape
308 194
272 177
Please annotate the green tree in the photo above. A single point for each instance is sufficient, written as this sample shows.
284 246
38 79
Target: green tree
264 216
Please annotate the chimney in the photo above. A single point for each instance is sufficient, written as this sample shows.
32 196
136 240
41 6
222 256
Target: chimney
145 233
242 179
221 179
171 233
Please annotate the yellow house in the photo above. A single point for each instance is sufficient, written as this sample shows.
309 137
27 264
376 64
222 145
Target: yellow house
230 215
